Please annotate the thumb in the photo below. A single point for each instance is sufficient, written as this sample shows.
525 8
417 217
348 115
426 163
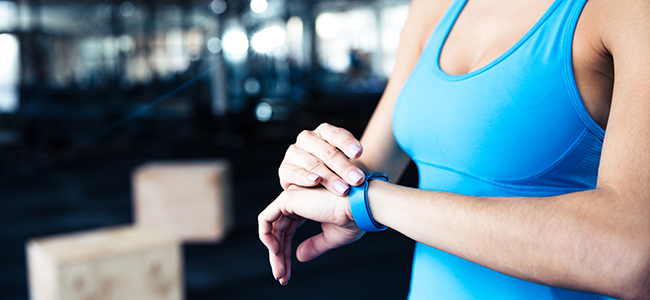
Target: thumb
313 247
332 237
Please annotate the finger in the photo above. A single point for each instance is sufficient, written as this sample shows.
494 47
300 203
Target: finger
333 236
312 164
265 226
292 174
275 264
313 247
288 238
327 155
277 261
267 219
293 169
341 139
301 161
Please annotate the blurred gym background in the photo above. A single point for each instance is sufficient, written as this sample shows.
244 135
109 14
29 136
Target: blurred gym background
91 89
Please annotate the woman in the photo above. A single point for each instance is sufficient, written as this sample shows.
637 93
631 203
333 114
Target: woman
502 104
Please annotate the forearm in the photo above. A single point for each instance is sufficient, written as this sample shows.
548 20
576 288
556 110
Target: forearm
394 165
589 240
380 149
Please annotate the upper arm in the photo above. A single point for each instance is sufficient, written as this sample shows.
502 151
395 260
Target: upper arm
625 160
381 151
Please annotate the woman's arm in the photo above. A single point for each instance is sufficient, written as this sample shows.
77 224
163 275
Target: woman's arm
381 151
597 240
321 156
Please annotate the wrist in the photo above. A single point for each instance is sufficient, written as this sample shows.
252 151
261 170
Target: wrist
377 190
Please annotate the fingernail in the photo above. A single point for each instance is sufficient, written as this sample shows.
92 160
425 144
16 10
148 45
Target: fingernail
355 176
282 282
312 177
341 187
354 150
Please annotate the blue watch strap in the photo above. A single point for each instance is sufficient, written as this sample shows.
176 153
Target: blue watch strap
359 203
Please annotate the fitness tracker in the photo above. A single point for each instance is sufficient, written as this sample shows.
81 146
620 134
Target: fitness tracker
359 203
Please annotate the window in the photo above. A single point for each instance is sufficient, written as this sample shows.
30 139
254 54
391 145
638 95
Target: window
9 73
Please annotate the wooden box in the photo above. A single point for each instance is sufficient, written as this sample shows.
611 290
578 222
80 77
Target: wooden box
188 200
107 264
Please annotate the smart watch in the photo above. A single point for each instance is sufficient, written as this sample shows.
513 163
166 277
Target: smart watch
359 203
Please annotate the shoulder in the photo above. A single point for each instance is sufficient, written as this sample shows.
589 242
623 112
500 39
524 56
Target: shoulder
423 18
622 25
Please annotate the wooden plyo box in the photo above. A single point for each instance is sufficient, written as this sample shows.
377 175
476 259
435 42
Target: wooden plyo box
106 264
187 200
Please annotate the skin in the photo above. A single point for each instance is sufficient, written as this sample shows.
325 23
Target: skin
594 240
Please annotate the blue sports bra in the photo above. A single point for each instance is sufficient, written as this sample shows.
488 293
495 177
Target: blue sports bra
515 127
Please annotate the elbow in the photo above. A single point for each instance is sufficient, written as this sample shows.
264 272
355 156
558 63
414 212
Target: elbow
625 265
637 285
633 271
634 288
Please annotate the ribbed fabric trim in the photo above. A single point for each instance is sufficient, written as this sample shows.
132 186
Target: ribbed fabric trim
506 186
558 162
571 172
569 78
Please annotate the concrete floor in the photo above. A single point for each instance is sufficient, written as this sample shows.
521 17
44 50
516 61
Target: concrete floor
42 197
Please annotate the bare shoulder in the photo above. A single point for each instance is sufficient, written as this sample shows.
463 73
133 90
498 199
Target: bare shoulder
623 25
424 16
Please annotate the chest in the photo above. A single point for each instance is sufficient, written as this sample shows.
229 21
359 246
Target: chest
516 116
486 29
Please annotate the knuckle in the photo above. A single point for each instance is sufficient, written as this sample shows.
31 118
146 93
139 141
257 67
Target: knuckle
331 153
340 217
349 140
314 164
303 135
284 184
295 173
348 167
292 149
337 131
282 170
340 214
323 126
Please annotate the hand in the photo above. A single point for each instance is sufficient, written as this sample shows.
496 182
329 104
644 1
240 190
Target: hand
279 221
321 156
